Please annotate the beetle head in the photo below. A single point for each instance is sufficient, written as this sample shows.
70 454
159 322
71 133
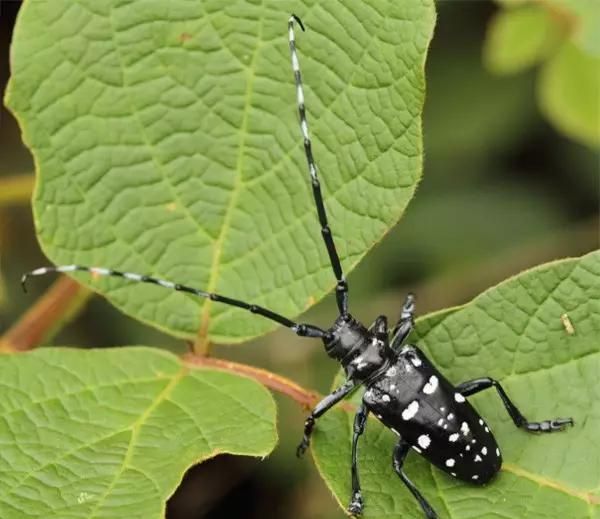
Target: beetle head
348 334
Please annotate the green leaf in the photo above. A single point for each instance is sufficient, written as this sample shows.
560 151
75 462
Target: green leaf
512 332
584 17
519 38
166 141
109 433
568 93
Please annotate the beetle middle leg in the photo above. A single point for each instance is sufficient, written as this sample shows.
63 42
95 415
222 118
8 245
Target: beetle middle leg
400 452
479 384
320 409
360 420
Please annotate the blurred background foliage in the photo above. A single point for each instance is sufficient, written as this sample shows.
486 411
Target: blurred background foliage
562 37
510 181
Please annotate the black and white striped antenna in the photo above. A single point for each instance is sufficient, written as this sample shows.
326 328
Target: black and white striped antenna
334 259
304 330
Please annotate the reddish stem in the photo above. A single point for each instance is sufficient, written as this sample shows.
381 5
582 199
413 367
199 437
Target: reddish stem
282 385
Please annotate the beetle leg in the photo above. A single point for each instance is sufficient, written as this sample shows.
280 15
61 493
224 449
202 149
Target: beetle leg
400 452
479 384
360 420
405 324
380 327
320 409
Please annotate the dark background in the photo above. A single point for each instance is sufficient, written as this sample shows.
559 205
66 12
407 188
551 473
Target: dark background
502 191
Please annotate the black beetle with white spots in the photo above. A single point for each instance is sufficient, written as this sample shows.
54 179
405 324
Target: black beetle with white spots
404 390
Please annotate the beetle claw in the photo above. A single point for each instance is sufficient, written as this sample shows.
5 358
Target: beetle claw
356 505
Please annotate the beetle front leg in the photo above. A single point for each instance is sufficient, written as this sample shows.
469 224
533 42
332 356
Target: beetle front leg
479 384
320 409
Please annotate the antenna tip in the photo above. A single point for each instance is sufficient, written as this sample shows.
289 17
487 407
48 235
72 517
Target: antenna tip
298 21
24 282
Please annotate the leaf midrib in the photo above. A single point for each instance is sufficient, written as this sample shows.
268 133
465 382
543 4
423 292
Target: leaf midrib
202 335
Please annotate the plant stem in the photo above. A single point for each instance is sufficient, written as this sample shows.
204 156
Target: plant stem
16 189
46 317
275 382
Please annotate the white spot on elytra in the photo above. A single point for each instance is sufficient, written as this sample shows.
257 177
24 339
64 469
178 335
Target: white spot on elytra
453 437
416 361
468 448
484 451
478 457
450 416
473 440
392 387
424 441
431 386
480 421
391 372
475 477
453 474
487 430
464 427
411 410
378 416
445 426
440 421
498 452
442 409
450 462
386 398
459 398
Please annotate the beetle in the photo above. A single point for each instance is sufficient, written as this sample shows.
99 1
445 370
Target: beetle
403 388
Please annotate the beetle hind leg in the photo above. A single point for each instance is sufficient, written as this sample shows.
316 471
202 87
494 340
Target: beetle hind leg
400 452
479 384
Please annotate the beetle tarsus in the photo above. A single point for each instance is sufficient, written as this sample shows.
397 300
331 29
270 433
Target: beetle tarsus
356 505
547 426
301 449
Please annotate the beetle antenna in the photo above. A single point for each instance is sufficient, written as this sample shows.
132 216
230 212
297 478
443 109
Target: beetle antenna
334 259
304 330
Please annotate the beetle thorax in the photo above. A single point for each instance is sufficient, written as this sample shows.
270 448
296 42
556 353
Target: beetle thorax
359 351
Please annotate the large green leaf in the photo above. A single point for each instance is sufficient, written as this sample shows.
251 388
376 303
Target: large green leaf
513 332
109 433
166 142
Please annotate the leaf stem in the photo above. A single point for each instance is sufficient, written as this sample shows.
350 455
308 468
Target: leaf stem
59 304
16 189
278 383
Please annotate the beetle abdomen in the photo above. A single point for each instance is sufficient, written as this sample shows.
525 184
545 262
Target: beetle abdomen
418 403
